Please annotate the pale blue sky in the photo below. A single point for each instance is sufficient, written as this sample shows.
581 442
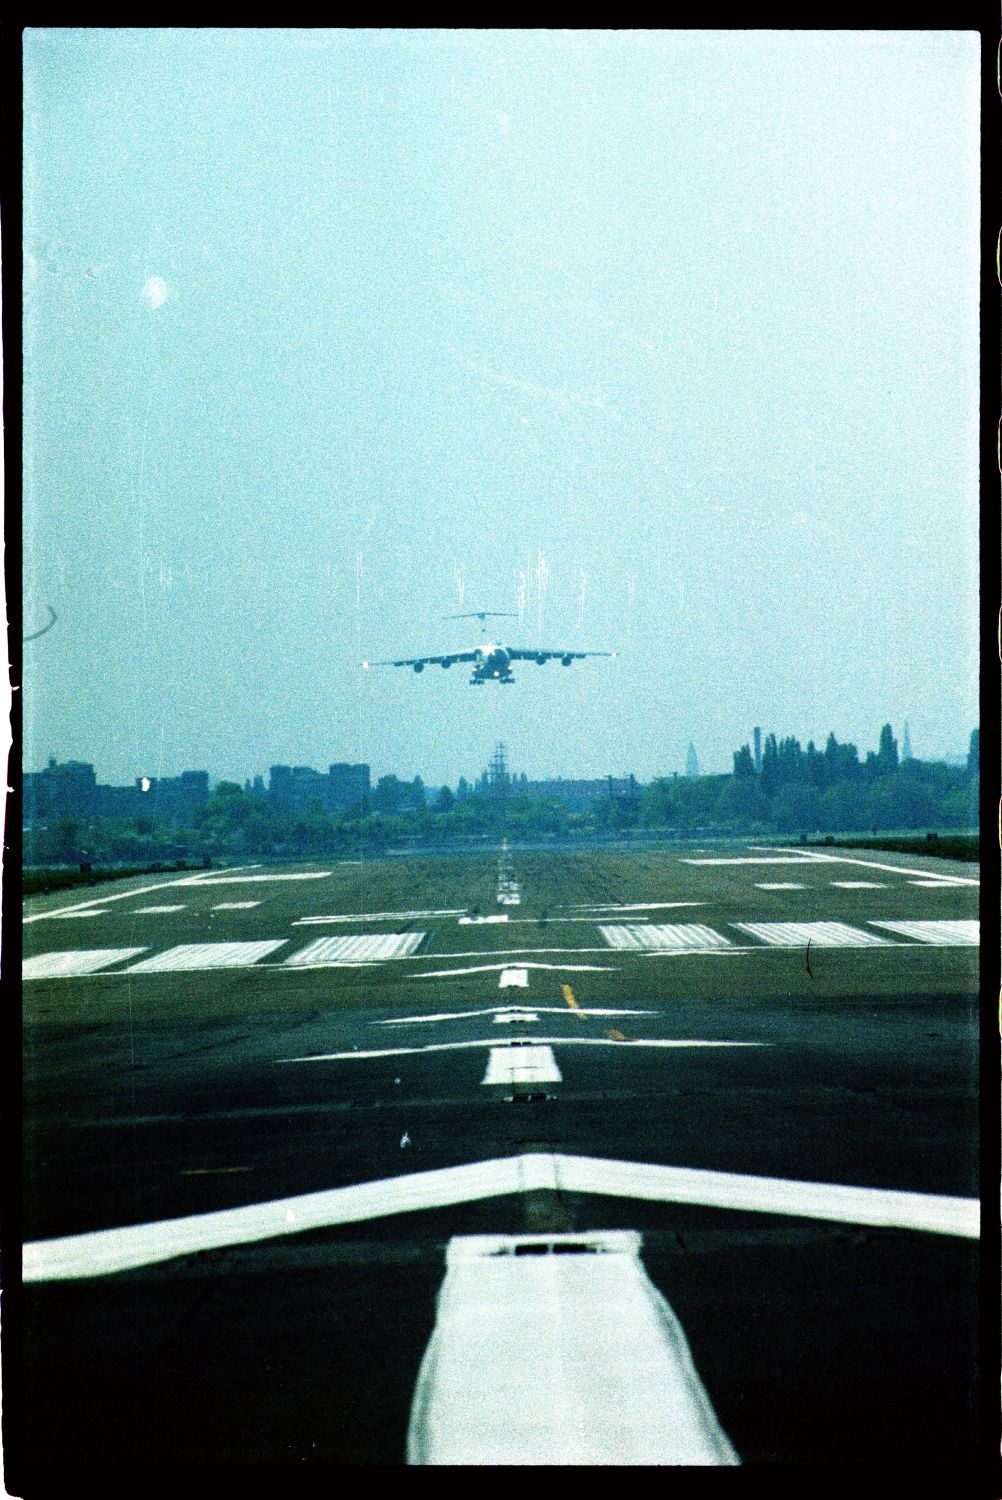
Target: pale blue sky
669 339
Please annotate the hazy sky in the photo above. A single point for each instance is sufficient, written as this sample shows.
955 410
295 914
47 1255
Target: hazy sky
666 341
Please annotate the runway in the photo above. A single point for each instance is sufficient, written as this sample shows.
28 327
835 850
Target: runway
424 1188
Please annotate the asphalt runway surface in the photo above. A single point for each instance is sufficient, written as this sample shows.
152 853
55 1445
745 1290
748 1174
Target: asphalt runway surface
665 1158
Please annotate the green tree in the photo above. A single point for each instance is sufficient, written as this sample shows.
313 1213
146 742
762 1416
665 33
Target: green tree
887 752
659 806
974 753
744 765
445 801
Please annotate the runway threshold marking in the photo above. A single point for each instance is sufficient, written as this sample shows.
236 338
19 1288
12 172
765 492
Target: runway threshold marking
206 956
945 934
575 1357
366 947
691 937
104 1251
68 963
513 977
821 934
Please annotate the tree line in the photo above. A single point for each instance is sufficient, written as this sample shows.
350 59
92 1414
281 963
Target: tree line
794 791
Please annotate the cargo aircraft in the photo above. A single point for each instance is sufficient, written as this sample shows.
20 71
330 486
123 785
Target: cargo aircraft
491 663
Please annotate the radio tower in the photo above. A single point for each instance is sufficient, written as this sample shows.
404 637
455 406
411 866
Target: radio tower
497 776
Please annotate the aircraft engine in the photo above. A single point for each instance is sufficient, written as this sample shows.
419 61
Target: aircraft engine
565 661
419 666
446 664
541 661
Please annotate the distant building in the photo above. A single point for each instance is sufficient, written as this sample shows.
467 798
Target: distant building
906 744
71 790
60 791
345 788
577 796
758 748
348 788
691 763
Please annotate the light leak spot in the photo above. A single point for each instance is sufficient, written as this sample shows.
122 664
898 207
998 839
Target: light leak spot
155 291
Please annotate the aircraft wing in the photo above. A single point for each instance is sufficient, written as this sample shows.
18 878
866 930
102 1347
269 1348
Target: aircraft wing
426 661
530 653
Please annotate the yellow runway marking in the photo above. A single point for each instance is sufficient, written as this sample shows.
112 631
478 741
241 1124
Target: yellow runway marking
569 997
616 1036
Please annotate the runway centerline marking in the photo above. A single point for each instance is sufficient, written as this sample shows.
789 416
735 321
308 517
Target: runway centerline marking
575 1357
103 1252
568 995
531 1063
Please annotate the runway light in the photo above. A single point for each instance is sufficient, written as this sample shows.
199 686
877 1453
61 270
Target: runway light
365 664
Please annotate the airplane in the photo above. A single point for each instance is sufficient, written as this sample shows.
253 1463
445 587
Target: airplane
491 663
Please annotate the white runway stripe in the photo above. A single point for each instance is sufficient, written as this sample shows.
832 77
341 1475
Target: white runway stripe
501 916
692 937
379 916
493 1010
779 885
933 885
939 934
820 934
872 864
508 1018
859 885
67 916
493 968
516 977
521 1065
235 905
574 1356
206 956
252 879
364 947
142 911
614 906
104 1251
74 961
631 1044
777 859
